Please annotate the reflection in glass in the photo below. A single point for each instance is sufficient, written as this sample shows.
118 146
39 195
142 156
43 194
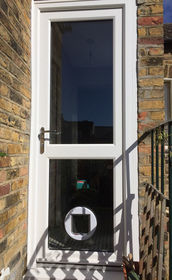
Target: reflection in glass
81 82
85 183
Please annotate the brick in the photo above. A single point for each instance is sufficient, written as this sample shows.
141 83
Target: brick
11 252
150 20
144 126
158 116
12 199
3 218
151 61
17 149
22 217
158 93
142 32
24 250
156 71
4 189
12 211
12 173
156 51
4 161
26 104
142 115
144 159
143 149
25 114
9 107
6 133
16 97
19 184
145 170
3 118
23 171
25 91
151 41
15 259
14 149
15 122
3 245
151 104
24 138
23 193
2 204
142 52
4 90
3 176
142 72
1 233
144 11
4 6
156 31
16 160
156 9
3 147
149 82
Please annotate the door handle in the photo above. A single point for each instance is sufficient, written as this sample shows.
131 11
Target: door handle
42 139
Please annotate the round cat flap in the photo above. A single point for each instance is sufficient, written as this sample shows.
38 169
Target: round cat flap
80 223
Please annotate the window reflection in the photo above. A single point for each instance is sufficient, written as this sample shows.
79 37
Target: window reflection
82 82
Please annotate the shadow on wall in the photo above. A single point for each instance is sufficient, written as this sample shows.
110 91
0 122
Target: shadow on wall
60 261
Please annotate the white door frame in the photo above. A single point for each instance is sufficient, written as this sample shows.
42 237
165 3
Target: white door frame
129 121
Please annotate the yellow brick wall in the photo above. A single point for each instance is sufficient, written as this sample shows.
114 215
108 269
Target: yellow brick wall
150 77
15 114
15 102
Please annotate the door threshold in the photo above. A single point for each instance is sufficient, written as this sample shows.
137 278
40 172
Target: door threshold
47 263
69 272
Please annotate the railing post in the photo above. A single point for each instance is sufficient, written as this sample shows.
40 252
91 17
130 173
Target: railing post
162 159
170 196
157 160
152 156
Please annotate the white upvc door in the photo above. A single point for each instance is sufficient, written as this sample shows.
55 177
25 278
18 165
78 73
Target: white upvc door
109 153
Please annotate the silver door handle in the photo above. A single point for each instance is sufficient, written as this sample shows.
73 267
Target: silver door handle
43 139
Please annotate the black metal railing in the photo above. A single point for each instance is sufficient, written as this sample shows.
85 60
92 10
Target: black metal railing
152 234
160 138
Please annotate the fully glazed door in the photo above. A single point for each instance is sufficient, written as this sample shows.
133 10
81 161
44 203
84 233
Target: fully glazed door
79 162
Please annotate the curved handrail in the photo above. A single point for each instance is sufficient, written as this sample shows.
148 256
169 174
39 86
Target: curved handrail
149 131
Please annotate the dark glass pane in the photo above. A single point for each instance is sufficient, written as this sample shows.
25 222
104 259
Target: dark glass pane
85 184
80 223
82 82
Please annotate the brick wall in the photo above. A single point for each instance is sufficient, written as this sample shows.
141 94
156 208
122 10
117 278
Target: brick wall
150 77
150 89
14 132
15 114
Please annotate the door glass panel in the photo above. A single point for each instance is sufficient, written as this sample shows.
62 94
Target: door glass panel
81 205
81 95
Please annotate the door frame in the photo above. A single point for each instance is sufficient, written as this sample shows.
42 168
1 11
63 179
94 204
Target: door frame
129 122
